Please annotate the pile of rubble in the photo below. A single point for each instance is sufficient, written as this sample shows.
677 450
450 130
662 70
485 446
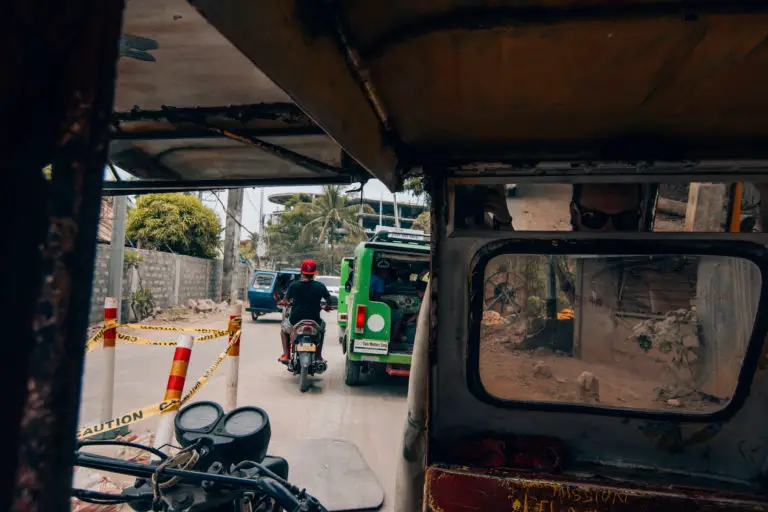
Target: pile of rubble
207 305
494 318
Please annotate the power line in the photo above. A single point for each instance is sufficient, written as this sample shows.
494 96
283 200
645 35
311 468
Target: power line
248 196
216 195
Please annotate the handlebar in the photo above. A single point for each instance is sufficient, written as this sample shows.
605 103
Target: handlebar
259 479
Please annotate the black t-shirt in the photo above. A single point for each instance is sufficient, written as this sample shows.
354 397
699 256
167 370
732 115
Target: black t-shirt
306 297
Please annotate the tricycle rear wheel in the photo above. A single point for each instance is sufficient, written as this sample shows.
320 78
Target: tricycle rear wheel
352 372
255 316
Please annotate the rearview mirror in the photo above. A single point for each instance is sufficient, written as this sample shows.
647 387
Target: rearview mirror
665 332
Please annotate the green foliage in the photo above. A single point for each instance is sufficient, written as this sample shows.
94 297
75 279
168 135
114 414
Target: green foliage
330 215
298 199
132 259
174 222
324 229
142 303
416 187
423 222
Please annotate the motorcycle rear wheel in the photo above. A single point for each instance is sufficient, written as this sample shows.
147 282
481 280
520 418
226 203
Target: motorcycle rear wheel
304 373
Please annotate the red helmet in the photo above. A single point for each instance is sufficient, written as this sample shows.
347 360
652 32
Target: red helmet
308 267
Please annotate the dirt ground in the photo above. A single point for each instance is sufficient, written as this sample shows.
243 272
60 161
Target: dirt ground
542 375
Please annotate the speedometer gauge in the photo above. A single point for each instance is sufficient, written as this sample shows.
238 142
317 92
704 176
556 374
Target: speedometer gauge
243 433
244 422
199 416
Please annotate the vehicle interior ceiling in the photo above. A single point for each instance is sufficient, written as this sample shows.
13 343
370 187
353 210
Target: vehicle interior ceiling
631 92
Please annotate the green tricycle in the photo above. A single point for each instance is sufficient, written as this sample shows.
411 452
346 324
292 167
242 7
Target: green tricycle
385 293
345 279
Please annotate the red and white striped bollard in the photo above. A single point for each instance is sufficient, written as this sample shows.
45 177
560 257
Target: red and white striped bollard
233 356
174 388
110 336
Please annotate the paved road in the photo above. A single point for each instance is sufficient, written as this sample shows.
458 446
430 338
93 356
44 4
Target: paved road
371 416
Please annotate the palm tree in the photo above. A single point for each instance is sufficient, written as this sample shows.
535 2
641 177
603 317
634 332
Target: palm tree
332 215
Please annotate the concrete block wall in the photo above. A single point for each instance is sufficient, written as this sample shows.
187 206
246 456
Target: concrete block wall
172 278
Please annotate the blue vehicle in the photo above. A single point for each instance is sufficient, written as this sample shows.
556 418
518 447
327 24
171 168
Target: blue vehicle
266 289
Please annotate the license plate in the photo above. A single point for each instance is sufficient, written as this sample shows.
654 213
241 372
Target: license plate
309 347
371 347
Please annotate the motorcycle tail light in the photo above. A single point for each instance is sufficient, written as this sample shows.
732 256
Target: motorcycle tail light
343 317
305 329
360 319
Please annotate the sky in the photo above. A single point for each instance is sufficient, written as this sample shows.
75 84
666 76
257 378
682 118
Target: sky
374 189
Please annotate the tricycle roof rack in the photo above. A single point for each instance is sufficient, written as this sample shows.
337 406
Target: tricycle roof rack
400 235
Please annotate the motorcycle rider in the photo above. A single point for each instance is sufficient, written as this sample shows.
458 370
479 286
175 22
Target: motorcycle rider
304 297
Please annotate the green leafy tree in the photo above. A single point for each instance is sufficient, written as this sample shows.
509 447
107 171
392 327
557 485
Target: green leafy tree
283 238
324 228
422 222
174 222
416 187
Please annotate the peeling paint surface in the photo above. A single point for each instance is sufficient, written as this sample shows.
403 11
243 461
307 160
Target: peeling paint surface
458 490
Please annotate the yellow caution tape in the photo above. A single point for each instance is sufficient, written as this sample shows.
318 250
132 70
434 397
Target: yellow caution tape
126 419
214 335
158 408
144 341
95 340
127 338
167 343
168 328
207 374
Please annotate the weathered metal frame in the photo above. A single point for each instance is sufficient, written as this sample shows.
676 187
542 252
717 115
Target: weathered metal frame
458 488
640 443
500 17
136 187
196 123
754 252
495 173
286 112
63 58
360 70
202 133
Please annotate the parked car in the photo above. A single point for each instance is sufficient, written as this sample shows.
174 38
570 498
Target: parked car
332 283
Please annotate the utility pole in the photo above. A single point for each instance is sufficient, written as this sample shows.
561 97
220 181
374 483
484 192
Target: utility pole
261 216
231 243
114 300
117 252
397 216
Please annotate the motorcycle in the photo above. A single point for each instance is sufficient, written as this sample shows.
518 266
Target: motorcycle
305 339
222 466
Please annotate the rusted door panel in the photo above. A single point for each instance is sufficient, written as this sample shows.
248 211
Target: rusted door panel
462 489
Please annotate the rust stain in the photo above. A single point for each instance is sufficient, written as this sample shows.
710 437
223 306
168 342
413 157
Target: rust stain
449 491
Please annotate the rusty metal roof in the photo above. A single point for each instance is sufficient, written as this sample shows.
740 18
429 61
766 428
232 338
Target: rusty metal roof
404 83
182 82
